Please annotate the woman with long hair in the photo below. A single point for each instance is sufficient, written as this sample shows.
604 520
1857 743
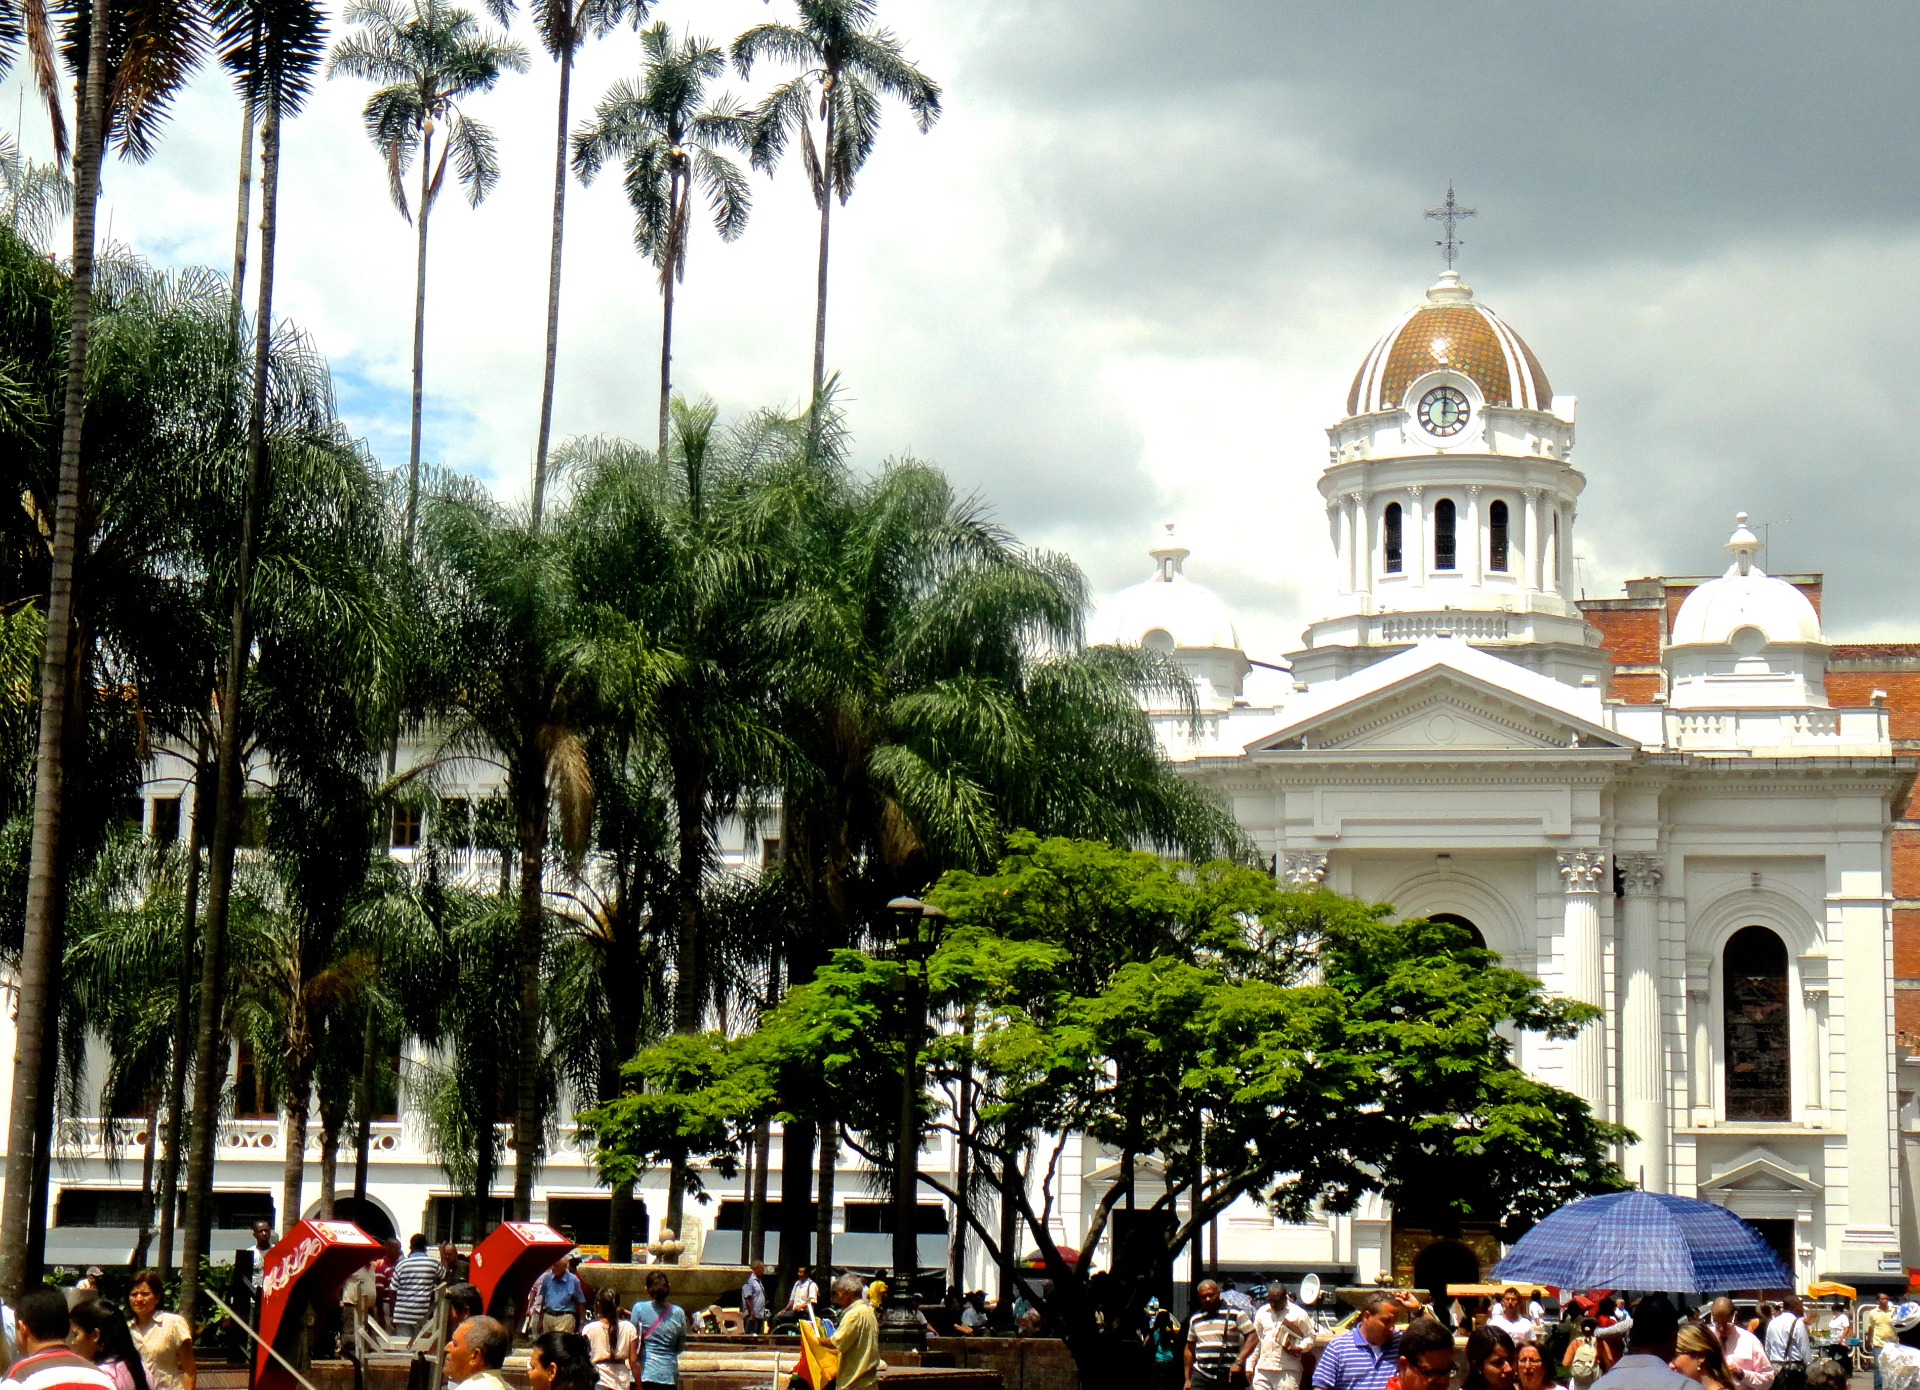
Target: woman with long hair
610 1339
561 1361
164 1339
1489 1360
100 1334
1698 1357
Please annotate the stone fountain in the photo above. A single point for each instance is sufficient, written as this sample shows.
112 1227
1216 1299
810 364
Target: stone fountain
691 1285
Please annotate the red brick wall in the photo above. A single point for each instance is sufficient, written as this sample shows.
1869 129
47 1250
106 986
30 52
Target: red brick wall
1631 635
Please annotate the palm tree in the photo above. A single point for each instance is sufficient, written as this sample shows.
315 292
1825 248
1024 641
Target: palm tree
671 142
127 80
503 622
428 57
564 25
848 64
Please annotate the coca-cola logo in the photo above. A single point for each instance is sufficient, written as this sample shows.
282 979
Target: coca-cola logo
290 1266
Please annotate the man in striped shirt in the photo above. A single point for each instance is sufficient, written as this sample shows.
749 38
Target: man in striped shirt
46 1362
1366 1357
1217 1339
414 1280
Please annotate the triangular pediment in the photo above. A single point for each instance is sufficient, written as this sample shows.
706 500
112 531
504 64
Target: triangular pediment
1758 1172
1441 710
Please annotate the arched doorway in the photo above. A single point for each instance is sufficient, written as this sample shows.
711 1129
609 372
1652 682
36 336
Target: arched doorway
369 1216
1456 920
1442 1263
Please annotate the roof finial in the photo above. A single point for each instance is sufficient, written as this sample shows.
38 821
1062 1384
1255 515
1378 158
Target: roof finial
1742 545
1449 213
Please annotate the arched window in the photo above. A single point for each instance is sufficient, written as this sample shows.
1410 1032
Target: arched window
1497 537
1392 537
1443 550
1454 919
1759 1059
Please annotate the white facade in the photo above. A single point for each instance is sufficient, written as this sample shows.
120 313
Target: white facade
1448 745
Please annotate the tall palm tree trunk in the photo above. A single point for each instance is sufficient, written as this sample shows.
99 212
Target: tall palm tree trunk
144 1236
241 219
666 357
532 792
197 825
419 336
689 984
757 1200
41 940
553 288
363 1103
226 810
826 224
331 1115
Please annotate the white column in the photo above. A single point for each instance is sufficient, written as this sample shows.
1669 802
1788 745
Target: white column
1643 1062
1700 1033
1470 537
1567 580
1550 557
1340 523
1414 543
1536 540
1583 974
1362 544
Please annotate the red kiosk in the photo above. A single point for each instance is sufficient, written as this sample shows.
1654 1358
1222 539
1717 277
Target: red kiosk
505 1264
305 1270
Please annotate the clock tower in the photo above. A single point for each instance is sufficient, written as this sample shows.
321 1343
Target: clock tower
1451 501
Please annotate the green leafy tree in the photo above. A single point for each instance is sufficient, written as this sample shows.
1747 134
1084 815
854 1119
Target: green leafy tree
848 64
1290 1047
427 59
672 143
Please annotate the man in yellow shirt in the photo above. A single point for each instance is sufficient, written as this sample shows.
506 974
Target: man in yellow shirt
857 1338
1877 1330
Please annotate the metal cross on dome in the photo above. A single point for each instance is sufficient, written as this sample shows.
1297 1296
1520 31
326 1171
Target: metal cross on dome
1449 213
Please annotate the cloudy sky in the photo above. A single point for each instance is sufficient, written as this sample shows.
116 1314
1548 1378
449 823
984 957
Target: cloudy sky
1128 276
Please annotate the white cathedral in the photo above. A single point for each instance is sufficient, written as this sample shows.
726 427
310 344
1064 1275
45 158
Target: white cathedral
1692 835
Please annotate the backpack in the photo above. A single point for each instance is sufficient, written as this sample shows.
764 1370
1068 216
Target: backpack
1586 1361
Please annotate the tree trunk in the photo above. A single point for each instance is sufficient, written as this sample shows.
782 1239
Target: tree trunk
826 221
42 936
197 825
143 1237
666 360
689 980
796 1193
293 1174
1011 1180
962 1176
330 1117
757 1211
363 1103
823 1200
232 770
553 288
419 340
531 789
238 288
620 1224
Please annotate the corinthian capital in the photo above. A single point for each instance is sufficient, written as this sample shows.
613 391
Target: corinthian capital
1582 869
1641 873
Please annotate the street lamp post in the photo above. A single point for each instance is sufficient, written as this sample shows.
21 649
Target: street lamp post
919 924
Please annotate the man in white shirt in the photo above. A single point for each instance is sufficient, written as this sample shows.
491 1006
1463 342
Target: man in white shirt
1281 1331
1787 1345
1650 1346
800 1300
1746 1359
1510 1320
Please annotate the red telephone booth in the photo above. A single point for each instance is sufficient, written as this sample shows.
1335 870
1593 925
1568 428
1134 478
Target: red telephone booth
505 1264
304 1270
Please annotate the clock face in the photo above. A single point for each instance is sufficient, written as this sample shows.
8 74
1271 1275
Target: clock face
1443 411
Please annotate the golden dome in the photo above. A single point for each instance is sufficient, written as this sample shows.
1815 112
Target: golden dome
1454 332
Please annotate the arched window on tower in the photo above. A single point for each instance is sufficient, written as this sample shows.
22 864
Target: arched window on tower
1497 537
1454 919
1758 1053
1443 547
1391 537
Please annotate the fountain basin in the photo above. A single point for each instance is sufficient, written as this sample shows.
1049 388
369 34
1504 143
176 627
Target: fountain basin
692 1287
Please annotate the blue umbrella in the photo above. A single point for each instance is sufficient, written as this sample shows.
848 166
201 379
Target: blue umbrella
1645 1240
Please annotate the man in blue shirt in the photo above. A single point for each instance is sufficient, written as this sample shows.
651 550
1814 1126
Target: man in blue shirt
1366 1356
560 1299
753 1298
662 1330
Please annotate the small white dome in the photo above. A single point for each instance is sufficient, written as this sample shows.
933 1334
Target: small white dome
1745 601
1169 611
